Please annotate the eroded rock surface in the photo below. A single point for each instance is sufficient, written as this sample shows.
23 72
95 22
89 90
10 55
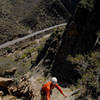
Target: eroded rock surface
4 82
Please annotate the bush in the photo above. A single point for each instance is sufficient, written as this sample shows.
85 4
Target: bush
9 30
89 68
88 4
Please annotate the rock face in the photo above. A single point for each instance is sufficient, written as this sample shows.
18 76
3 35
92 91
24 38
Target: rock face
9 97
79 37
70 4
10 71
4 82
22 90
1 93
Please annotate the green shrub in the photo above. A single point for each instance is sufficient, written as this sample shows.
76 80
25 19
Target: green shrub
88 4
8 49
9 29
89 68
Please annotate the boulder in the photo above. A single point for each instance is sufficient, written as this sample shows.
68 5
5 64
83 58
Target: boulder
23 89
4 82
0 98
10 71
1 93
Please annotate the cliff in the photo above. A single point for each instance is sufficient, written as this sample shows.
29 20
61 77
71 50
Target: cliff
79 38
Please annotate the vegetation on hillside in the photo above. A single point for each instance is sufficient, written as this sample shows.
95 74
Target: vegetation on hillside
23 56
87 4
78 40
88 63
89 68
18 17
73 57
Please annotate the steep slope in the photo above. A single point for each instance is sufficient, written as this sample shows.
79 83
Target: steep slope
79 37
64 53
37 80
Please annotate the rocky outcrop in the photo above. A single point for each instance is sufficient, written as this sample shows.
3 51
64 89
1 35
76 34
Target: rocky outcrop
1 93
9 97
5 82
79 37
10 71
22 90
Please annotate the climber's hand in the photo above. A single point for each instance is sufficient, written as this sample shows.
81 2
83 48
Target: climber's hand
65 96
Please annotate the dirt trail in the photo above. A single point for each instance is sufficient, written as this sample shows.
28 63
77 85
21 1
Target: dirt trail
29 36
38 80
57 96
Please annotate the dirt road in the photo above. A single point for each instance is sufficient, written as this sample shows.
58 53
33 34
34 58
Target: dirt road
29 36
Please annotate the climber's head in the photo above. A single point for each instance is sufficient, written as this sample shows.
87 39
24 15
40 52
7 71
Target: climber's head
54 80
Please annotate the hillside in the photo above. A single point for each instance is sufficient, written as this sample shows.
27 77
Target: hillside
78 40
17 18
71 53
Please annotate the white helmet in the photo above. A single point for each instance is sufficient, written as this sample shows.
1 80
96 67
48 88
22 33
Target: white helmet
54 80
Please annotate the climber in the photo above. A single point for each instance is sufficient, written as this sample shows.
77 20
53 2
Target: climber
46 89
